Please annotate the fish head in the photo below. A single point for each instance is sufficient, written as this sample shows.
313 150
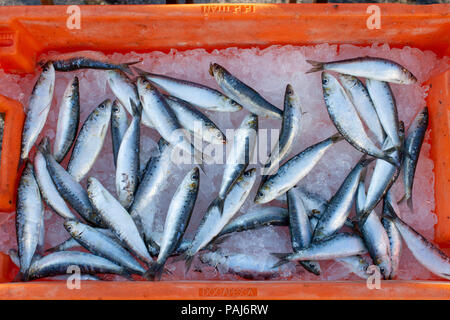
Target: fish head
231 104
250 122
290 96
74 228
116 108
217 71
385 267
264 192
329 84
347 80
193 178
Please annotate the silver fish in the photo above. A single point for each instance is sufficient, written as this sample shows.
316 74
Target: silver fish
264 216
29 218
153 180
290 129
395 239
213 221
58 263
374 235
117 219
313 202
346 119
340 204
383 177
69 189
15 259
127 168
300 230
78 63
195 121
243 94
247 266
295 169
337 246
367 67
164 119
125 90
413 144
177 219
90 140
68 120
244 142
195 93
102 245
119 124
48 189
72 243
356 264
363 104
38 108
428 255
384 102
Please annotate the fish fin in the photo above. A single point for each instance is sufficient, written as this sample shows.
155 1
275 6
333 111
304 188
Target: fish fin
125 67
409 202
311 266
336 137
139 71
218 202
154 272
188 260
316 66
137 109
282 257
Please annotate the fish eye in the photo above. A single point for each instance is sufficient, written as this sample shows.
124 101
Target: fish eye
247 174
101 107
195 176
260 194
324 81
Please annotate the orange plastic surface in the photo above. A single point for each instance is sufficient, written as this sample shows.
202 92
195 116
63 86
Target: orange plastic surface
9 161
26 32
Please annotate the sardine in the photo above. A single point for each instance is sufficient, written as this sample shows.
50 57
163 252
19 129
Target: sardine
48 189
243 94
213 221
428 254
356 264
413 144
340 204
367 67
384 102
194 93
38 108
68 120
290 129
374 235
247 266
244 142
295 169
300 230
58 263
29 219
72 243
119 124
102 245
363 104
125 90
78 63
90 140
164 118
395 240
195 122
383 177
177 220
69 189
117 219
264 216
127 168
346 120
313 202
153 180
337 246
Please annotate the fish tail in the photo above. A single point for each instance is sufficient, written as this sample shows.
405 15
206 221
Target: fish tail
388 210
316 66
137 109
20 276
125 67
391 160
362 217
282 257
219 201
155 271
139 71
189 258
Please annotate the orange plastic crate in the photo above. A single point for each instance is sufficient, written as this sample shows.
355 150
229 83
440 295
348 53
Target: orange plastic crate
26 32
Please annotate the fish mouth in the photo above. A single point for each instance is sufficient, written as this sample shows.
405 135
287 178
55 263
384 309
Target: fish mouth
211 69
